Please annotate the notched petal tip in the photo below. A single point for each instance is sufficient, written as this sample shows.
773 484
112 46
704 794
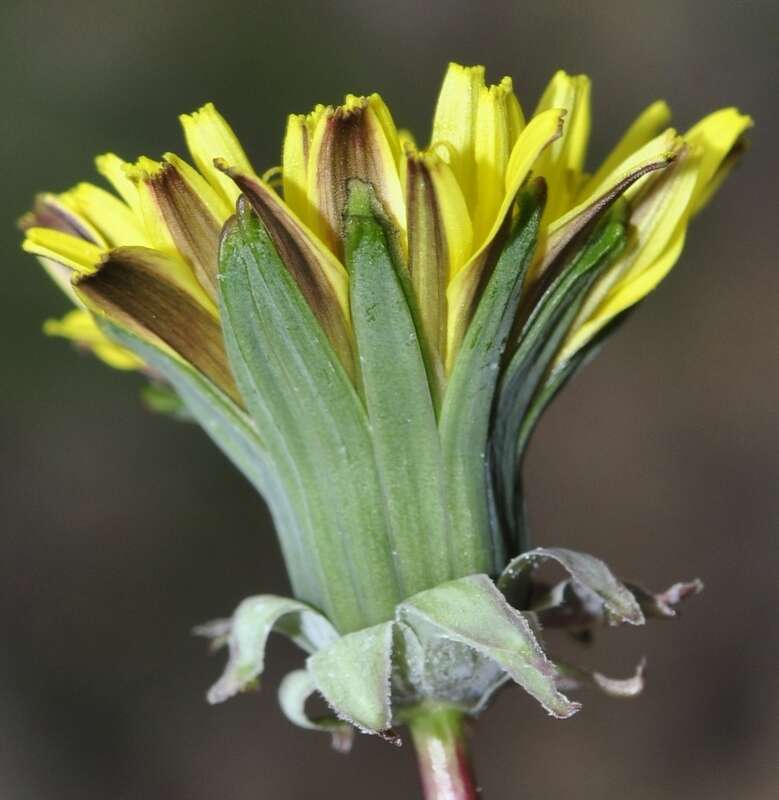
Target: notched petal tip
209 136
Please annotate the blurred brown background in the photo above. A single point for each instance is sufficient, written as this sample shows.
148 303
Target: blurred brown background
121 530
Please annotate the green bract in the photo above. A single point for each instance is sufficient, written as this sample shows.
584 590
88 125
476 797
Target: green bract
397 512
371 332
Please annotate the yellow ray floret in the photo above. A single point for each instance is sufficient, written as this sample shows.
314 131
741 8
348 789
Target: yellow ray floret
71 251
661 215
562 163
165 207
80 327
447 203
208 137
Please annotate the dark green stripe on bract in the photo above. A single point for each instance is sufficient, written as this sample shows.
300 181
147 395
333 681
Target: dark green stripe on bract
313 422
465 415
394 385
539 339
563 373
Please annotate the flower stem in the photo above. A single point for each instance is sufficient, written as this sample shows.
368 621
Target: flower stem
444 764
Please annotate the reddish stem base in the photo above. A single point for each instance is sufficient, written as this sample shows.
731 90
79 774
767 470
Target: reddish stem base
444 764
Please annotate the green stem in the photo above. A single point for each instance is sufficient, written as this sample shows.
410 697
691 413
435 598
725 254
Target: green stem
444 764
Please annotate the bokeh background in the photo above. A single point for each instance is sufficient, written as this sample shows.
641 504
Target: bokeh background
121 530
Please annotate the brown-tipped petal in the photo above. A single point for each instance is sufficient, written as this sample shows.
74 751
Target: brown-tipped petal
130 288
464 286
430 251
193 215
294 163
49 211
659 213
319 275
573 224
350 142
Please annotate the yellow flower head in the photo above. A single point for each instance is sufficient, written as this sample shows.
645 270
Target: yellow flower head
370 332
147 253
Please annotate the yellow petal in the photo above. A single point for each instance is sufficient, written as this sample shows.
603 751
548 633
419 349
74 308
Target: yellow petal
407 140
661 212
454 123
630 292
142 172
541 132
199 187
114 170
384 117
80 327
113 218
187 215
72 251
716 135
62 213
658 212
646 127
562 163
453 214
626 179
165 222
624 296
208 137
461 293
499 122
658 222
295 160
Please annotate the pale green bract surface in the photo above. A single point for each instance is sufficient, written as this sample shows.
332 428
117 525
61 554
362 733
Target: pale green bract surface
389 498
398 401
454 644
249 629
589 572
387 508
316 429
353 674
295 690
472 612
